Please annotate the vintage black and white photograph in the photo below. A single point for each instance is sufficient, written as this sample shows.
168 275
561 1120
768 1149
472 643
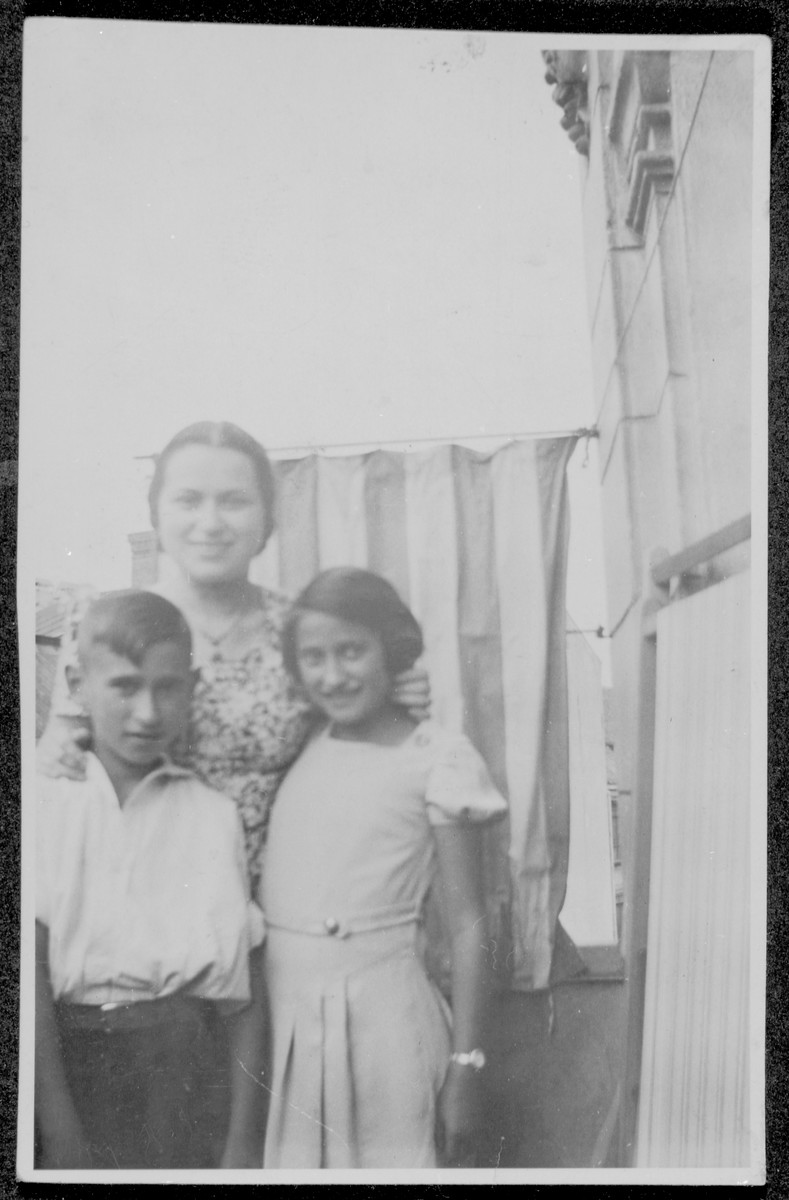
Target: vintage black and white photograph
391 604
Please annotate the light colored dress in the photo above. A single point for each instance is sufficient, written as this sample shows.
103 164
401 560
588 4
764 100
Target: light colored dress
361 1035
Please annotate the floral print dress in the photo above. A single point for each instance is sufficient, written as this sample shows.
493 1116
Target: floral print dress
248 725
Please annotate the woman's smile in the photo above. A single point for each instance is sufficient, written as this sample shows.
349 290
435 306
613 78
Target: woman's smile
211 547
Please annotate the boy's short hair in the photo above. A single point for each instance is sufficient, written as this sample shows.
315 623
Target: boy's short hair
129 622
362 598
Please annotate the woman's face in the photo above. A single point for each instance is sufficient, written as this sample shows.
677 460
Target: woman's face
211 518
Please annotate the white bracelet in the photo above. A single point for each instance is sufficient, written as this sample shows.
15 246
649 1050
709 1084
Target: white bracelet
470 1058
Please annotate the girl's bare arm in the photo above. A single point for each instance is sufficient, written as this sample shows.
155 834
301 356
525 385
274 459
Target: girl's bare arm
460 1101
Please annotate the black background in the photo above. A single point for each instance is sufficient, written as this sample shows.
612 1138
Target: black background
766 17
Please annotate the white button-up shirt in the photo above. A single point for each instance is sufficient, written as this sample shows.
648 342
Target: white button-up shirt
147 899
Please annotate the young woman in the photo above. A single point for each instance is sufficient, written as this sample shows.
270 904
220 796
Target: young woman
365 1069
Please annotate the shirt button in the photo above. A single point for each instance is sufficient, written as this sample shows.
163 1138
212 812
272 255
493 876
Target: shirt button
331 925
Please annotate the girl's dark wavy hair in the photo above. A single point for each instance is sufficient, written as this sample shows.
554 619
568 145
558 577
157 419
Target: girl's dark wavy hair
363 598
224 435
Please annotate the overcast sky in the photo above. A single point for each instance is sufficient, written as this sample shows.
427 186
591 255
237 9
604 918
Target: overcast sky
325 235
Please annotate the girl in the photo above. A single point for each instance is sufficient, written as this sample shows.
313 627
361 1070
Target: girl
365 1070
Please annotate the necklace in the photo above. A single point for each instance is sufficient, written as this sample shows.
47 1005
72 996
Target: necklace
215 640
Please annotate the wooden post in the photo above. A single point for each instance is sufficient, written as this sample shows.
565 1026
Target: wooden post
637 865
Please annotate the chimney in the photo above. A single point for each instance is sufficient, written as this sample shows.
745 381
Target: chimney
145 558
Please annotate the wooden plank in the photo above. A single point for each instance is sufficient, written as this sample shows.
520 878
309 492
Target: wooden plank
694 1101
695 556
639 855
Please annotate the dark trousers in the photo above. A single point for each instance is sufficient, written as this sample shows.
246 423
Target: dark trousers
149 1082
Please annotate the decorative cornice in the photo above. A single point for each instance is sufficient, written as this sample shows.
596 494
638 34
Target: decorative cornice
567 70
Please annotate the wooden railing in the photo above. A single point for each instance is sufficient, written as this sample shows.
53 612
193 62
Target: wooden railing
686 561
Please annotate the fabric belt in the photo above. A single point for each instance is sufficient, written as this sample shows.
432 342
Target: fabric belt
342 927
137 1014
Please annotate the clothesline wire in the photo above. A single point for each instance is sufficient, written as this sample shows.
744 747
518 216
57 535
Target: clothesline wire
421 441
590 432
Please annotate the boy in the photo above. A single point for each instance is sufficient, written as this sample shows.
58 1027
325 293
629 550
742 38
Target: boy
144 928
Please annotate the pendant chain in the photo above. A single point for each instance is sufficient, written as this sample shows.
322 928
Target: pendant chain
216 640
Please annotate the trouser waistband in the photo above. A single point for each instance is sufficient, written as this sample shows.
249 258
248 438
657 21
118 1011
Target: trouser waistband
137 1014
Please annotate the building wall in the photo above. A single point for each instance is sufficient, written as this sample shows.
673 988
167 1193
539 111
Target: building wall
667 203
669 306
669 296
715 194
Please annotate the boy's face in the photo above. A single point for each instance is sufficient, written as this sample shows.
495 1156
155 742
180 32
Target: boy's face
136 711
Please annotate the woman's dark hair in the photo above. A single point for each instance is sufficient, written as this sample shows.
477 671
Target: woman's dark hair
363 598
129 622
224 435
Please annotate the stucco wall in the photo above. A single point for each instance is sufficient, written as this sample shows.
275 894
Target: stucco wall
669 310
668 217
715 191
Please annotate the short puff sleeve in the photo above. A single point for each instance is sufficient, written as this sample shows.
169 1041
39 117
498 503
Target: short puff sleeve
459 787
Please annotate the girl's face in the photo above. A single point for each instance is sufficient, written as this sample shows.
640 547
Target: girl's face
211 518
343 668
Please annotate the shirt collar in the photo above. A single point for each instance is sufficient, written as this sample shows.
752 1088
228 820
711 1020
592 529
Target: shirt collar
165 769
